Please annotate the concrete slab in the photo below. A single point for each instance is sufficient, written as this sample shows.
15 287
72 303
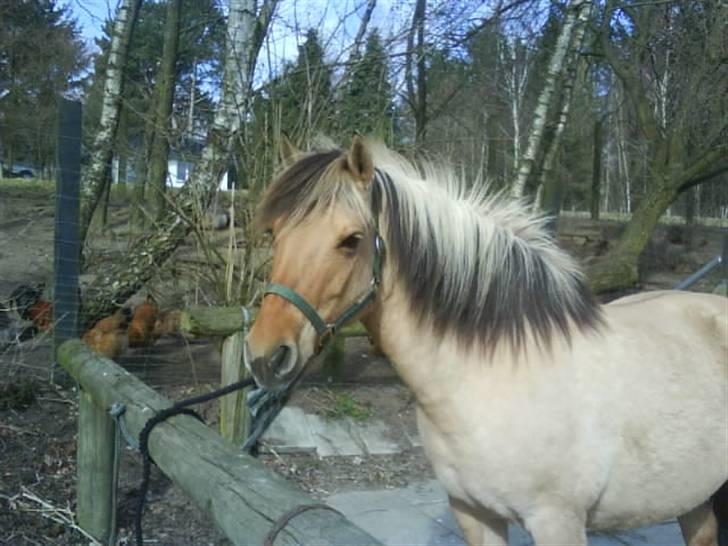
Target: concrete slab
376 438
413 438
418 515
388 517
334 437
290 432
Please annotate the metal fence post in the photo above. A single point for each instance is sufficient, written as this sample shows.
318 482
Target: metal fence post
66 244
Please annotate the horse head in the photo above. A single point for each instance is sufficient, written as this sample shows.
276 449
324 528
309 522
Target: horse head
326 256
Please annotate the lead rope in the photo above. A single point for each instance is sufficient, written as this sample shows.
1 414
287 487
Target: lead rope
180 407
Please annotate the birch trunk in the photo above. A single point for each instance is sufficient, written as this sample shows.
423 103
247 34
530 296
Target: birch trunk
120 281
94 178
545 104
553 195
417 95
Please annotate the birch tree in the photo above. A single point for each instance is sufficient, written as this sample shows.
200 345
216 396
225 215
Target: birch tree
96 175
246 27
416 71
576 15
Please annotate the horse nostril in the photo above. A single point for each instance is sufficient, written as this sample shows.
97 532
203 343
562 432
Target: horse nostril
279 359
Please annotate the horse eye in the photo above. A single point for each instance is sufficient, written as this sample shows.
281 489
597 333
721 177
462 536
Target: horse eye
351 242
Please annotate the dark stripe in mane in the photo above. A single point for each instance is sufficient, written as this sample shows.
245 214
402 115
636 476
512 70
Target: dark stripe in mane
514 301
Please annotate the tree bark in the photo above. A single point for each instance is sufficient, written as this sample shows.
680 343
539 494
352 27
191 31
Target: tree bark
596 171
618 268
120 281
95 175
157 169
553 187
417 94
577 11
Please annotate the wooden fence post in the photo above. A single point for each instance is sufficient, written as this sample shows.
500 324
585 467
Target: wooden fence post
96 505
234 413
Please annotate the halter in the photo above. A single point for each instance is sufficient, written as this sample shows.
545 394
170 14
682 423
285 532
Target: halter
326 330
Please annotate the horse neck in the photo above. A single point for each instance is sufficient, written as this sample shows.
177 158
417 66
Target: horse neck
432 367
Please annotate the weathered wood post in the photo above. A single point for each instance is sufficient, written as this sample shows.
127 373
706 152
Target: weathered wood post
95 502
234 413
229 323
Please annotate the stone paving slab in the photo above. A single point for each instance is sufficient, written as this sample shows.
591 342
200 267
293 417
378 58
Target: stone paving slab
334 437
419 515
375 436
290 433
294 431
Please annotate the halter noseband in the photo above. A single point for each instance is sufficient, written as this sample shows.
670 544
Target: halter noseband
326 330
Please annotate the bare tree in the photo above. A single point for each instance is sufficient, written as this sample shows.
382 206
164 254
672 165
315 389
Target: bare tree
96 175
159 154
417 83
246 27
576 15
683 122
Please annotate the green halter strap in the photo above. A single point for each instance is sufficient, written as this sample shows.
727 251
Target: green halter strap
326 330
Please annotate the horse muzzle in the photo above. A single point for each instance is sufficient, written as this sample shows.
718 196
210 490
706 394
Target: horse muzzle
275 369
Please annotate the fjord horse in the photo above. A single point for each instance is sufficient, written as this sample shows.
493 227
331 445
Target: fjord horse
535 404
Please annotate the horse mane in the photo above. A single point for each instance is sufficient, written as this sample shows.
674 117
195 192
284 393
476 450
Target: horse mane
480 267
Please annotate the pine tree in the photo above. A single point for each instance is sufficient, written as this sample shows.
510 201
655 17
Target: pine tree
366 104
302 97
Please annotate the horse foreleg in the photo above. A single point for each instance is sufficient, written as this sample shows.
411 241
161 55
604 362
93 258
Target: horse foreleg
481 528
699 526
556 527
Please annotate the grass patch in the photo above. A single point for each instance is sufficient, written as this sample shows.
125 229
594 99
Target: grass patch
345 405
29 188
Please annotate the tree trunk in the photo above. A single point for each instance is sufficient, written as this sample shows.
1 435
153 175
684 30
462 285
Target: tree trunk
157 179
359 39
690 199
618 269
596 171
118 282
553 187
94 177
417 94
577 12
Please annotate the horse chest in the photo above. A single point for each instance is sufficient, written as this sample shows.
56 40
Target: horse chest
467 472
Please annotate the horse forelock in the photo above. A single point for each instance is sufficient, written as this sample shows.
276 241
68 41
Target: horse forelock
313 182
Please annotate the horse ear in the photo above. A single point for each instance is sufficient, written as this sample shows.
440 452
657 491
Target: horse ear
359 161
287 151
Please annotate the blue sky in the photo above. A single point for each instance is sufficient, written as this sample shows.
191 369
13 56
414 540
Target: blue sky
293 18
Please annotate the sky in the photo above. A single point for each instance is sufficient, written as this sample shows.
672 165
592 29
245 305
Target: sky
336 20
291 22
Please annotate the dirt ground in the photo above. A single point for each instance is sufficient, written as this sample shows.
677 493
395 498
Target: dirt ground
38 420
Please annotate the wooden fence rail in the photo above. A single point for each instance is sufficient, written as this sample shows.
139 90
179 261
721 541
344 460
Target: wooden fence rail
243 497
